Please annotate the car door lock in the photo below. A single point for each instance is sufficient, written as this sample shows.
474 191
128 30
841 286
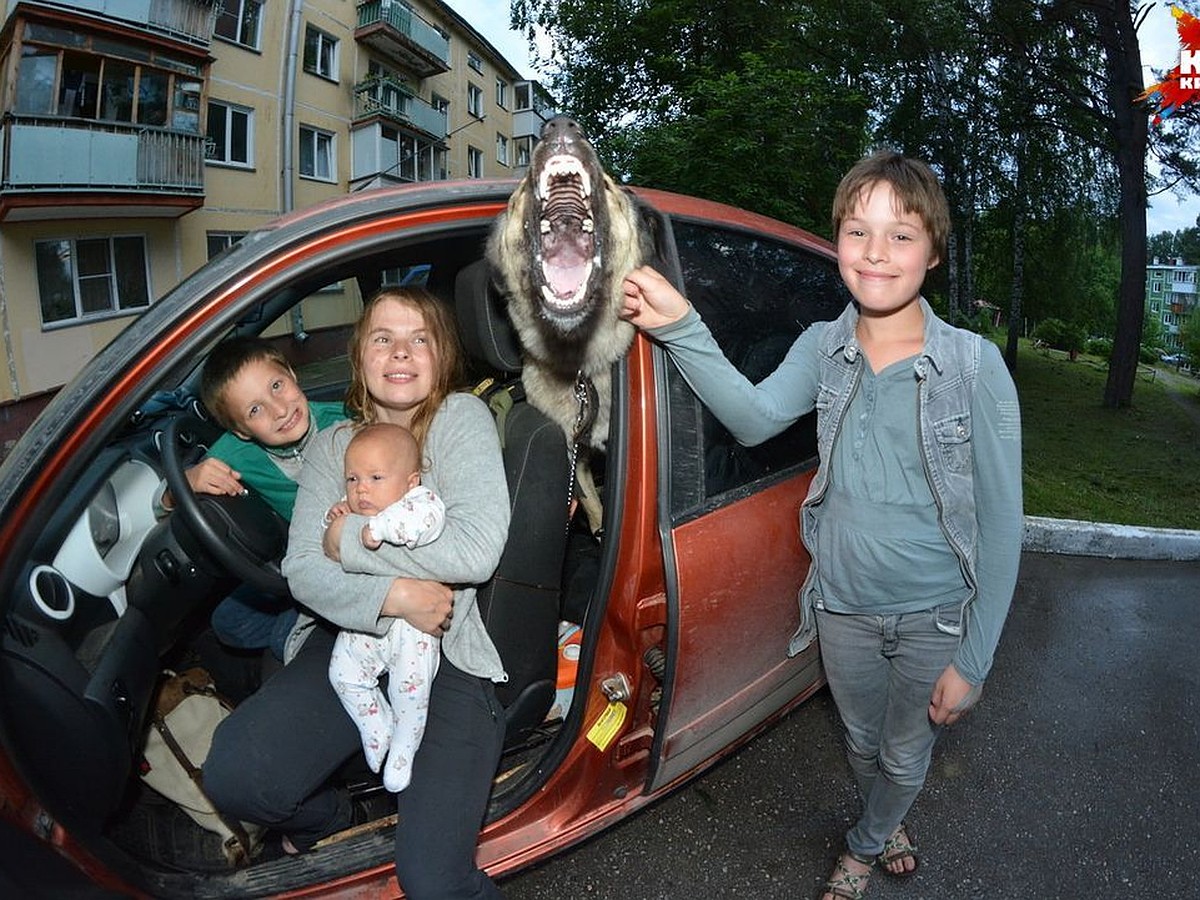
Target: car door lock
616 688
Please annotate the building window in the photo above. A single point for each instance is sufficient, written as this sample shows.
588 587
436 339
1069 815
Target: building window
440 103
316 154
523 92
524 148
501 93
501 149
320 53
474 61
474 163
230 134
90 278
93 86
475 101
239 22
220 241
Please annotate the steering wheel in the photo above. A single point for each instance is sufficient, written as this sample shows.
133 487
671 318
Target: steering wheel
243 534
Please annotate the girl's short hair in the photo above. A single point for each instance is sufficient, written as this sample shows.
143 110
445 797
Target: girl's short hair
442 331
914 184
222 366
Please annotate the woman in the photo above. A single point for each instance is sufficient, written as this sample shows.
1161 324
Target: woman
272 758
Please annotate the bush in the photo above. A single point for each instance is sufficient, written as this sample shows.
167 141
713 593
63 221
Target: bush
1099 346
1059 335
1050 331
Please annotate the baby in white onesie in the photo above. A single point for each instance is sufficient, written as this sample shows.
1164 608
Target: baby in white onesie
383 481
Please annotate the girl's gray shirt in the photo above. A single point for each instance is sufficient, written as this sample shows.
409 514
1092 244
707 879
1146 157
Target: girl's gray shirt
463 466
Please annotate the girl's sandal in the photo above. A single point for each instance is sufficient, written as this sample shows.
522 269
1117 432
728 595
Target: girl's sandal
898 848
844 884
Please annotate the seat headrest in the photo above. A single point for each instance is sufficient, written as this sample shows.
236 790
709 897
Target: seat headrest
487 333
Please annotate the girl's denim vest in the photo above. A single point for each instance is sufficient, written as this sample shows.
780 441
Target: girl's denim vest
946 371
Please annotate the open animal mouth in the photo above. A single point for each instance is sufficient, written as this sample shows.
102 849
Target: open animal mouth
567 234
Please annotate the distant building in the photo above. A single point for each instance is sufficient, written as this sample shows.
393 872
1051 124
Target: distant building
1171 297
141 137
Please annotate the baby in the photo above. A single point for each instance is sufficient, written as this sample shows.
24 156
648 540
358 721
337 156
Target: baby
383 481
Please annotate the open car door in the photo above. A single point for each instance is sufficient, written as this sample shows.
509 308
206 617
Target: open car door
729 515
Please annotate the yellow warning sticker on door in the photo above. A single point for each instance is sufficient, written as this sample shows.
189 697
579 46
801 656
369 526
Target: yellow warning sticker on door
608 725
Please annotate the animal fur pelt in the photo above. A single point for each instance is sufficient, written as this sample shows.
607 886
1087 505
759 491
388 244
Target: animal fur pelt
560 253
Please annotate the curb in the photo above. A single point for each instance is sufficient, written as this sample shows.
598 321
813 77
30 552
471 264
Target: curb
1075 538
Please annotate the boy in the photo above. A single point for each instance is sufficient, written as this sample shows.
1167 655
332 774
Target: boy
251 391
913 519
383 481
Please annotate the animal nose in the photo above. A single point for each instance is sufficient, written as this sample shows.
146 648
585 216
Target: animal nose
563 129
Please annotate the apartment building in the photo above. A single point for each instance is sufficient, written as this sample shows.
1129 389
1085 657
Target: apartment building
1171 297
141 137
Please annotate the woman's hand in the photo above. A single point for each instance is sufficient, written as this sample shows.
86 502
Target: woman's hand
427 606
332 538
953 696
650 300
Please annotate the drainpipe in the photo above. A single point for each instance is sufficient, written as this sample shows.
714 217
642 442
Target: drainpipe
287 146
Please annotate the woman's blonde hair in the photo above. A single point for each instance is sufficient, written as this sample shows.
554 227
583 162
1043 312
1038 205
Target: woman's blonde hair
442 332
914 185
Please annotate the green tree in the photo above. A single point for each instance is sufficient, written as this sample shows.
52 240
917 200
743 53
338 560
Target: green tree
1170 245
1189 335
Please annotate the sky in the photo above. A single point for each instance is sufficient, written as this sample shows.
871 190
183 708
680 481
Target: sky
1160 51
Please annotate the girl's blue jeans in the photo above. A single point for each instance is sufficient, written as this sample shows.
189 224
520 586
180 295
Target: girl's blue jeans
881 672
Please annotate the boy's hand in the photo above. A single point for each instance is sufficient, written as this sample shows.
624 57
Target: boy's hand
650 300
953 696
339 509
210 476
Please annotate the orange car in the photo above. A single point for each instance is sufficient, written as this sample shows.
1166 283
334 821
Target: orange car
684 606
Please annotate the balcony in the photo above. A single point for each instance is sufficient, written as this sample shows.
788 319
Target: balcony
393 101
54 168
190 21
398 34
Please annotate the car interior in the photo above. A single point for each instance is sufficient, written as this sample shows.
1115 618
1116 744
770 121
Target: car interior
115 595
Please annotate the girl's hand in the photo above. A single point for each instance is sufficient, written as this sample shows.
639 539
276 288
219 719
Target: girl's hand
650 300
953 696
427 606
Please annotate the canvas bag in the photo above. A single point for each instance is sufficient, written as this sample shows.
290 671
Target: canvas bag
186 712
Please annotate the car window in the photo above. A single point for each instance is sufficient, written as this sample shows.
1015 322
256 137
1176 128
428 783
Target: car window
756 295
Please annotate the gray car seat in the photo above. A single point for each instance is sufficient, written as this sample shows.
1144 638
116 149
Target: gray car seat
521 604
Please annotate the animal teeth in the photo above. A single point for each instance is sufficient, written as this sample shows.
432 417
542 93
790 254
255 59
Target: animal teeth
588 225
544 225
564 166
553 301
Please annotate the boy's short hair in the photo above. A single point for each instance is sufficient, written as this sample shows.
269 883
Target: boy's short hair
914 184
224 363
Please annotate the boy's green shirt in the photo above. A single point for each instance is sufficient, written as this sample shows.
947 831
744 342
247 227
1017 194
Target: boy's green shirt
258 468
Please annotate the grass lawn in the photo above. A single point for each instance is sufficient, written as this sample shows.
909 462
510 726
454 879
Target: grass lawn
1136 466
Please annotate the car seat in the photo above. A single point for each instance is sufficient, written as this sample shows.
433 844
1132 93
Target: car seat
520 604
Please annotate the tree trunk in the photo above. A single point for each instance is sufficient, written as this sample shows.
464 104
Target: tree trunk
1017 286
1123 69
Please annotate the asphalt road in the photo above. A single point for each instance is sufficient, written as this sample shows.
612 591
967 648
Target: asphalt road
1078 776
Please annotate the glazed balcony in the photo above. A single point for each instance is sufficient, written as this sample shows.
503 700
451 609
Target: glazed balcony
190 21
56 168
402 37
393 101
